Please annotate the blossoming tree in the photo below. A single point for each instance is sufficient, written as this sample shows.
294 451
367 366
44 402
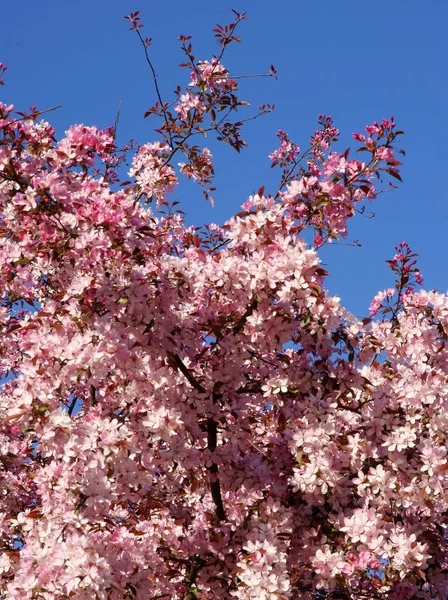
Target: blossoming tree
190 414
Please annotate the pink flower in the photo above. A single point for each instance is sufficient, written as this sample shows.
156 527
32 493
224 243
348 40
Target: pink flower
188 102
212 74
387 155
377 302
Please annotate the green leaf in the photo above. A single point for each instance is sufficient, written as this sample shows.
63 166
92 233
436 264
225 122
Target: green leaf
304 322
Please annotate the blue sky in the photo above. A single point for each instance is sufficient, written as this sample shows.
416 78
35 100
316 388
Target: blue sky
358 61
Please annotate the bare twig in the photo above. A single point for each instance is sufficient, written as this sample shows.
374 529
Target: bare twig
117 116
38 112
156 85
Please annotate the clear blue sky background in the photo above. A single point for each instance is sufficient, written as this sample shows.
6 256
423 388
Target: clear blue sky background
358 61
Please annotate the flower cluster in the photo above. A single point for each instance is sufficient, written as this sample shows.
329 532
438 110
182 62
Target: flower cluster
377 302
154 176
286 153
189 102
209 74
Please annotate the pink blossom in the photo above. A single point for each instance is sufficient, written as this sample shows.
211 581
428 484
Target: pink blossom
154 176
212 74
189 102
377 302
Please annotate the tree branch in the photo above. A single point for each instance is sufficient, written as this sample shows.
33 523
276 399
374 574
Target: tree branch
212 435
72 406
215 486
93 400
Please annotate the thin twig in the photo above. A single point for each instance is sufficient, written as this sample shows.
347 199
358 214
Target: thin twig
252 75
39 112
265 360
117 116
156 85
